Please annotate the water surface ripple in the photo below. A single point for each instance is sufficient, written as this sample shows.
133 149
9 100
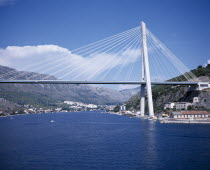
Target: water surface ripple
94 140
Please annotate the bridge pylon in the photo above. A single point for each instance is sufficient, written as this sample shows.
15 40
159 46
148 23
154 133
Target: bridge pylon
145 75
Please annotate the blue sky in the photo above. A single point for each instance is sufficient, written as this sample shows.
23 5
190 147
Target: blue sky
182 25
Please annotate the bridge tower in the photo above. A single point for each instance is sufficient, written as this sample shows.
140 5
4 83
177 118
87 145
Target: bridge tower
145 75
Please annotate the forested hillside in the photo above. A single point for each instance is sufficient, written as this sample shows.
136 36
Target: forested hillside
168 93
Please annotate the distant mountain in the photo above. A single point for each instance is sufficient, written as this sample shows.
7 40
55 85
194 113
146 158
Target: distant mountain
42 95
128 92
8 107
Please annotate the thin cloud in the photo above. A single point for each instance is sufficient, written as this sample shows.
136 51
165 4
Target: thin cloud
208 62
59 61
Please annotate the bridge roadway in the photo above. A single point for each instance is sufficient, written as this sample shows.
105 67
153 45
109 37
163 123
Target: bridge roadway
94 82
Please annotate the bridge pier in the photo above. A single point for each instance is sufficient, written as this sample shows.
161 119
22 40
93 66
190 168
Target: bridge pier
142 100
146 72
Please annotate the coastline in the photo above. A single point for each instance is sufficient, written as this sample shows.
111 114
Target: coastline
160 120
168 120
188 121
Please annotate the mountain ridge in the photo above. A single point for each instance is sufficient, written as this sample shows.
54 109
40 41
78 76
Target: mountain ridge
48 93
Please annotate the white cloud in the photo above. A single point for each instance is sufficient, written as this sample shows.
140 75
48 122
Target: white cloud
30 51
208 62
61 62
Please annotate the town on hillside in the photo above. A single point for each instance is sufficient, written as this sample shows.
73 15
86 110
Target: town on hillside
196 111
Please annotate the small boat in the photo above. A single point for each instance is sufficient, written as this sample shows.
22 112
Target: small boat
52 121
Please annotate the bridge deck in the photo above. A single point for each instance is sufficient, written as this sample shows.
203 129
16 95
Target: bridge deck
93 82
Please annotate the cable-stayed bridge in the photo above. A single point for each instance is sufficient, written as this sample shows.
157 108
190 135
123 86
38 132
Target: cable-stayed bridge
133 57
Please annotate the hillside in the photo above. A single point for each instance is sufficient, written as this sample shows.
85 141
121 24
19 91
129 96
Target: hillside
166 93
44 95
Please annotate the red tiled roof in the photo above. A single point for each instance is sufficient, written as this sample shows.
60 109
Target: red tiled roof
194 112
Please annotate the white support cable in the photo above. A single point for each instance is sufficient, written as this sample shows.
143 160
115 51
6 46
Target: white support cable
109 61
165 61
43 66
158 53
150 54
158 59
133 61
109 70
161 54
74 64
174 71
104 43
54 62
107 45
28 66
156 64
173 58
134 48
122 66
113 65
125 61
96 57
69 66
169 54
52 59
163 64
169 68
92 59
103 39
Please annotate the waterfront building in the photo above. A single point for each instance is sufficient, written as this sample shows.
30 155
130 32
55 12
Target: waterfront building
170 105
122 108
189 114
69 102
92 106
110 107
183 105
58 109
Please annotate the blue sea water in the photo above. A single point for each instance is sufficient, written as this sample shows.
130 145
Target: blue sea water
95 140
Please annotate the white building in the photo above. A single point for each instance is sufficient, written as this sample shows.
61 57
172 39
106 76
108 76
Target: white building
92 106
182 105
170 105
110 107
203 85
122 108
58 109
69 102
189 114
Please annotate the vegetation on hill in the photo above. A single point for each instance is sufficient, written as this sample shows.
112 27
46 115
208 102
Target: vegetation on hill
53 95
169 93
202 71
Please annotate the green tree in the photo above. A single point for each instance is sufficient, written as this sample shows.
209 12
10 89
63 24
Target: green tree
208 66
189 107
117 108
